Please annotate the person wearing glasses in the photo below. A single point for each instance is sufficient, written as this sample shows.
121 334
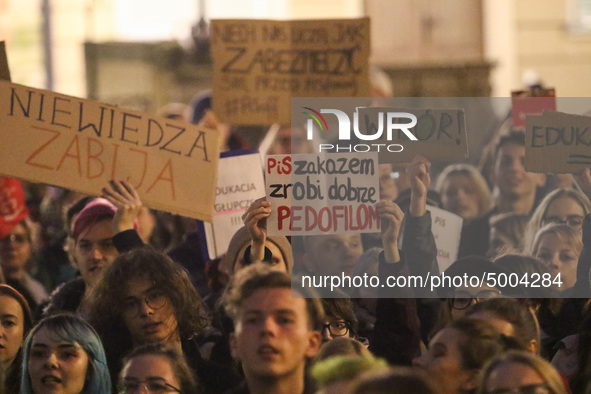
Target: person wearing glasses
520 373
64 354
145 297
156 369
563 206
16 251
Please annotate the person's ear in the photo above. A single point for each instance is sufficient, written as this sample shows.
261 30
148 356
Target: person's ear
314 342
533 346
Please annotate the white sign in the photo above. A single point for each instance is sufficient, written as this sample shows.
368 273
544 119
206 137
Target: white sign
447 229
240 182
316 194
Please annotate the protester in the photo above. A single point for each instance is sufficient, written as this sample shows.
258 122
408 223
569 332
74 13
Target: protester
520 372
337 374
463 191
93 247
506 233
145 297
563 206
514 191
398 380
509 317
158 369
459 351
16 254
63 353
559 246
275 334
15 323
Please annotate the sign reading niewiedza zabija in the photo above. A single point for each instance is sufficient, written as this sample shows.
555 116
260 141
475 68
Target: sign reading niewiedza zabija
259 65
82 144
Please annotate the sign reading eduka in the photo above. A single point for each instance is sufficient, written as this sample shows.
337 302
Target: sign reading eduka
82 144
315 194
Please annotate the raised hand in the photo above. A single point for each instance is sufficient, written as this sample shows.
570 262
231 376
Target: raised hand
391 217
255 220
420 180
127 201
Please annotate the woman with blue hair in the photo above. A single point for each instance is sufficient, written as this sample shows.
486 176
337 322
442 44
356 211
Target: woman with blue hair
63 353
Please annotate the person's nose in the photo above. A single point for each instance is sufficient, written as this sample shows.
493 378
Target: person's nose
326 335
269 326
555 262
419 361
50 361
97 252
145 309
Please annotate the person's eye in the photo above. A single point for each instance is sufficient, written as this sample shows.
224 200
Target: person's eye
154 295
36 353
68 355
107 244
339 325
84 246
567 257
544 256
252 320
8 323
284 320
131 386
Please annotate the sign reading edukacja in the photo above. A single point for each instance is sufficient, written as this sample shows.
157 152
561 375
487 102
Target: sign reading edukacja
82 144
259 65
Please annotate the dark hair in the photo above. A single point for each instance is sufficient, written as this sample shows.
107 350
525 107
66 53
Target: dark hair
341 308
182 372
525 327
397 380
479 342
13 373
256 277
514 137
105 307
71 328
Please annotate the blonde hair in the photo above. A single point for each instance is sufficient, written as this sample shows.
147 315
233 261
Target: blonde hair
564 232
538 364
477 180
535 223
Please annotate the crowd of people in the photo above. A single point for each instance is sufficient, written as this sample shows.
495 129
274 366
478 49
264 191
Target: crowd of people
143 311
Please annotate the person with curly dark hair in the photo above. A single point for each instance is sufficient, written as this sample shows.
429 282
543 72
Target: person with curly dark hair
145 297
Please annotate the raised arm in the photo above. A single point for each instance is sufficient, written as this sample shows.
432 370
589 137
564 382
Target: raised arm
255 220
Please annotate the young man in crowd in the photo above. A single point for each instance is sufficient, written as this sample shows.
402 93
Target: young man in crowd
274 334
514 190
91 242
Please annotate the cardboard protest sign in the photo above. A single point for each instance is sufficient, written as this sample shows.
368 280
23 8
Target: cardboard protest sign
440 133
82 144
447 229
13 208
322 194
240 182
531 102
259 65
4 70
558 143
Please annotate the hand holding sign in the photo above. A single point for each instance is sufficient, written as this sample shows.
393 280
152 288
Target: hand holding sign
255 220
128 203
391 217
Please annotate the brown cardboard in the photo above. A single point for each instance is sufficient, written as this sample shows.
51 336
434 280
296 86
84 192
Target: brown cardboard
557 143
441 134
4 70
82 144
259 65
